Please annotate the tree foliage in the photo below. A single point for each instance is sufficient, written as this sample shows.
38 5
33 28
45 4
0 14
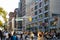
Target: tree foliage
1 23
3 14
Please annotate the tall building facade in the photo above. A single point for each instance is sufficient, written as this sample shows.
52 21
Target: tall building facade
55 6
22 7
39 11
55 11
11 21
21 13
16 15
27 14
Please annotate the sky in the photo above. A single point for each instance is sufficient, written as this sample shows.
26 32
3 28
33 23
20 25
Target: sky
8 5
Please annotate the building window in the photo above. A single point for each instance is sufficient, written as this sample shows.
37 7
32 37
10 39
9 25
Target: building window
45 1
53 23
40 22
40 4
40 16
40 0
29 25
36 1
46 7
40 10
35 12
36 7
35 18
32 19
32 24
46 20
32 9
46 14
36 23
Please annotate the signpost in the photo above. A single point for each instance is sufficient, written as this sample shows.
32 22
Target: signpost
19 19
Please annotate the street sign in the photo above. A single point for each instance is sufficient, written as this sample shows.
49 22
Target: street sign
19 19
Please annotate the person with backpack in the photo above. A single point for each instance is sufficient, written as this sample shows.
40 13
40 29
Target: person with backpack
14 37
9 36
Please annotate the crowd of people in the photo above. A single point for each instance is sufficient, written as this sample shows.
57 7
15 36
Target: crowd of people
5 35
40 35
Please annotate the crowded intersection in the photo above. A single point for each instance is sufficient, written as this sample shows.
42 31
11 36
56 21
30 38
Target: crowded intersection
5 35
29 19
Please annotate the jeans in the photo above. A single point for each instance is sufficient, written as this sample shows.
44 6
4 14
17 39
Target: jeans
54 38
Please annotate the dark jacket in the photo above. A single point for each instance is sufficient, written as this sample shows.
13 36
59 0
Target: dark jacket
1 33
14 37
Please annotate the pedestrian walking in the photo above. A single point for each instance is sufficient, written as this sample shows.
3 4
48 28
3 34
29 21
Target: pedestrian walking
54 37
21 37
9 36
6 36
32 36
1 35
14 37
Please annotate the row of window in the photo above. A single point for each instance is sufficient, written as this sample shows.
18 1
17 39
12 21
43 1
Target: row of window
36 12
41 15
40 23
45 1
40 10
36 7
40 4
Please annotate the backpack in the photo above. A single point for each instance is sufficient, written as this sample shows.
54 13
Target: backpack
14 38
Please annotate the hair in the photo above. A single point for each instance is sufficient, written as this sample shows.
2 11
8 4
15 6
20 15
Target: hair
14 33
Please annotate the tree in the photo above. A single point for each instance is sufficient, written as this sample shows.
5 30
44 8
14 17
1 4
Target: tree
1 23
3 14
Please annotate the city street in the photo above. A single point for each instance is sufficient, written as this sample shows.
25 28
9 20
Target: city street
30 19
33 39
